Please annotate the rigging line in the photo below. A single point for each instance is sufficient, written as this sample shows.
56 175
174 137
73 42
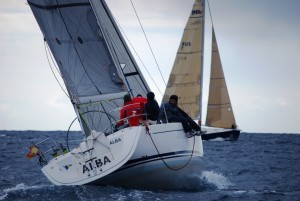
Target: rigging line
213 33
163 160
80 59
67 136
57 68
212 23
138 56
88 75
124 44
54 72
70 35
148 43
49 51
115 51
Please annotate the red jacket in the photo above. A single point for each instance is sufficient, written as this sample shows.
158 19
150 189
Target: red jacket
134 109
139 100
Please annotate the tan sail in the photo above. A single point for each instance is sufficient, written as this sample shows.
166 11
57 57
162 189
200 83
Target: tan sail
219 109
186 75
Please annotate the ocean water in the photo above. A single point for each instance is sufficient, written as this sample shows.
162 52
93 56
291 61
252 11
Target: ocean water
256 167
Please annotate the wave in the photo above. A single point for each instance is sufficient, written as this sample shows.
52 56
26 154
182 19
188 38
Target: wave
216 179
218 139
18 188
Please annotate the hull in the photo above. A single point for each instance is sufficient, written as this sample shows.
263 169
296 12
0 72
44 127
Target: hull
170 161
220 133
165 159
155 175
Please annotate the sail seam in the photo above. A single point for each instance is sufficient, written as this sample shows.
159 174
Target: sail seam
50 7
183 84
131 74
189 52
218 104
146 87
84 68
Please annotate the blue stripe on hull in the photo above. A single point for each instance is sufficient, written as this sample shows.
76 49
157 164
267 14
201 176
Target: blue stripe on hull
148 159
152 173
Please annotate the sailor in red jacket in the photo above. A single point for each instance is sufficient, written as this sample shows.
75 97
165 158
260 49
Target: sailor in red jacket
133 108
140 99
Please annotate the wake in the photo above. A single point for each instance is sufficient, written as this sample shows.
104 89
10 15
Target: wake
18 188
216 180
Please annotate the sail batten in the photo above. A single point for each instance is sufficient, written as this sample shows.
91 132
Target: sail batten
57 5
194 52
99 98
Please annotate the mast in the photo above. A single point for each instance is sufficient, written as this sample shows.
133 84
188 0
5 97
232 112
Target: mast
202 64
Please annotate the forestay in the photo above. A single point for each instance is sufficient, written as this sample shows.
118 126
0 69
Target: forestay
92 56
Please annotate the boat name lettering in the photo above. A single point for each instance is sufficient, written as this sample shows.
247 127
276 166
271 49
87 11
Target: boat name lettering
196 12
98 162
115 141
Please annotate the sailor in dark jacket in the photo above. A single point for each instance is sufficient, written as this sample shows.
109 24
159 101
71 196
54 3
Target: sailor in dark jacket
151 109
175 114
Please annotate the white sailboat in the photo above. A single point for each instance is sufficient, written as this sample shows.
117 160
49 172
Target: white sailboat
98 70
186 81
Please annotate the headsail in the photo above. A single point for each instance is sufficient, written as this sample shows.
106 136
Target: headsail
92 57
219 109
186 75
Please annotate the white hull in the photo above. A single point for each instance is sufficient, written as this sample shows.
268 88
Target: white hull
153 174
166 159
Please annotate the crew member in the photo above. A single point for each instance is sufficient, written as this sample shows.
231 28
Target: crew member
131 110
151 109
175 114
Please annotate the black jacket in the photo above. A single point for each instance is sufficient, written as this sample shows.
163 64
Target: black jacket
152 110
171 110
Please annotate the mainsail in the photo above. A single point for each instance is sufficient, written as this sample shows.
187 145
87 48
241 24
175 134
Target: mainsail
186 76
92 57
219 109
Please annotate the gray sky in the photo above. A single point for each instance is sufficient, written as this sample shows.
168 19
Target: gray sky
259 43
